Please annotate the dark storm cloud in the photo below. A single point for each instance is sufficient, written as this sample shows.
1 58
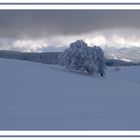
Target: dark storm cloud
40 30
45 23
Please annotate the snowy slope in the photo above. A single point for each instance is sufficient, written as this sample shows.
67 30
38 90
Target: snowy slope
37 96
128 54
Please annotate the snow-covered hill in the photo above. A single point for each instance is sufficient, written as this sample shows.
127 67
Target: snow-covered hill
38 96
128 54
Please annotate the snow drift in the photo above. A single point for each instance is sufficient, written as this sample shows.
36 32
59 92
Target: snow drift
45 97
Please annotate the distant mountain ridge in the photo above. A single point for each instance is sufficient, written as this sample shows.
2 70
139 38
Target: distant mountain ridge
45 57
131 54
123 56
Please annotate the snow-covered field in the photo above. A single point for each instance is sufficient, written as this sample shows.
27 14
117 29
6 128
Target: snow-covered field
38 96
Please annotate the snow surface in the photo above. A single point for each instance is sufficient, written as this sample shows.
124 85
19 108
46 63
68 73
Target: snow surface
127 60
113 55
46 97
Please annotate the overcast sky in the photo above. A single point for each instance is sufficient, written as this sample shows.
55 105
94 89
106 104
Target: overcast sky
50 30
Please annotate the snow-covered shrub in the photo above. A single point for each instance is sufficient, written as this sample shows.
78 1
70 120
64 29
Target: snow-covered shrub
83 58
100 60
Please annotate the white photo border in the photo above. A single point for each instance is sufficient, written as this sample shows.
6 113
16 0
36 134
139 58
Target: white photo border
73 5
69 1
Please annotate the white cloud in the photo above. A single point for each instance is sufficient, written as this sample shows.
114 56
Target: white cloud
29 45
23 45
111 38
